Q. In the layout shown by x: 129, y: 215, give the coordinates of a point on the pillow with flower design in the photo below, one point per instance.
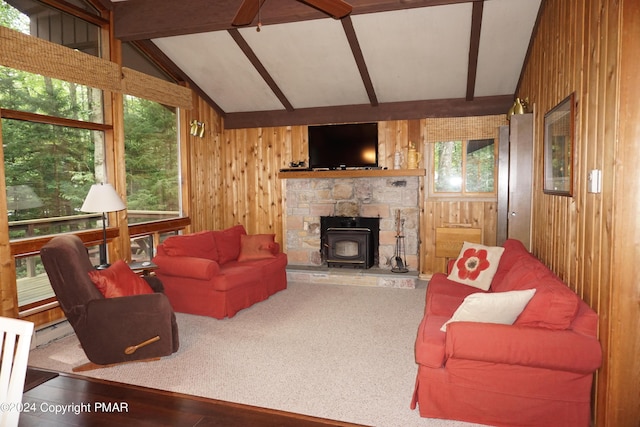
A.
x: 476, y: 265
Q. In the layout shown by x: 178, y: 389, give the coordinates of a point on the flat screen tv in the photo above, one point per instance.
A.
x: 343, y: 146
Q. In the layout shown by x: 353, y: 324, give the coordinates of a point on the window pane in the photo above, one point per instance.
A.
x: 448, y: 166
x: 49, y: 170
x: 33, y: 93
x: 480, y: 166
x: 142, y: 248
x: 45, y: 22
x: 151, y: 161
x: 33, y: 282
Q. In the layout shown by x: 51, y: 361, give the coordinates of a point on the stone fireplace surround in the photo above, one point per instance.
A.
x: 307, y: 199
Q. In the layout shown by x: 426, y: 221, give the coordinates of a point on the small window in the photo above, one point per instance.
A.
x: 464, y: 167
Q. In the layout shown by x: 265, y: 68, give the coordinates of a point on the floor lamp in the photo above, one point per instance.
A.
x: 102, y: 198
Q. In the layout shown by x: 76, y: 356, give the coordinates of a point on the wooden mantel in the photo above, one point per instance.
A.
x: 352, y: 173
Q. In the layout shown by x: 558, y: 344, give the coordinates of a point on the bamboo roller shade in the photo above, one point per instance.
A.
x: 34, y: 55
x: 459, y: 128
x: 145, y: 86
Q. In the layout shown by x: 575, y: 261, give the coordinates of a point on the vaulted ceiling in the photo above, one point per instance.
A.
x: 388, y: 59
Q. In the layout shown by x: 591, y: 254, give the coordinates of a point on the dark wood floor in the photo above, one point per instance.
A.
x: 92, y: 402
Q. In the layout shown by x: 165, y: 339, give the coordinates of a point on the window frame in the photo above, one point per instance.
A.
x: 462, y: 194
x: 129, y: 81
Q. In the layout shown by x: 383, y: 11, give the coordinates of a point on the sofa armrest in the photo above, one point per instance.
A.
x: 183, y: 266
x: 518, y: 345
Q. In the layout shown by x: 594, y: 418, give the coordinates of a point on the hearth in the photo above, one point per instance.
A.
x: 349, y: 241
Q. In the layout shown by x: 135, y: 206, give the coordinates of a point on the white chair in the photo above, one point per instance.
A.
x: 16, y: 340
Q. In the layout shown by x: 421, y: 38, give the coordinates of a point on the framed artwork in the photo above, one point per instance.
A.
x: 558, y: 148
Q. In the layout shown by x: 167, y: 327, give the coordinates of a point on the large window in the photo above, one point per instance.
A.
x: 464, y: 167
x: 151, y: 160
x: 53, y: 140
x: 55, y: 137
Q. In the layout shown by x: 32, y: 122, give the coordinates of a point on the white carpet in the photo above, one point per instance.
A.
x: 338, y: 352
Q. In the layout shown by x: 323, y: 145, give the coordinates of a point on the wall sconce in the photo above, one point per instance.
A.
x: 519, y: 106
x: 197, y: 128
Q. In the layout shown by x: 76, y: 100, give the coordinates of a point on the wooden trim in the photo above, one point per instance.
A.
x: 439, y: 108
x: 31, y: 246
x: 76, y: 11
x: 162, y: 226
x: 149, y: 19
x: 353, y: 173
x: 621, y: 356
x: 51, y: 120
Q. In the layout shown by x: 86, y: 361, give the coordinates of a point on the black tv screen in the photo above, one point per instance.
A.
x: 343, y: 146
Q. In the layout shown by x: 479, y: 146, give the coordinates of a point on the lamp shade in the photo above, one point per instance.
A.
x: 102, y: 198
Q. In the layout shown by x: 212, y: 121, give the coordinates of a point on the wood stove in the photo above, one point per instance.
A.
x: 349, y: 241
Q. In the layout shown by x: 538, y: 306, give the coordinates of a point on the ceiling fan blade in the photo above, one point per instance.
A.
x: 247, y: 12
x: 336, y: 8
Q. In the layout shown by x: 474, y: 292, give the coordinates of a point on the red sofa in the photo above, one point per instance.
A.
x: 218, y: 273
x: 535, y: 372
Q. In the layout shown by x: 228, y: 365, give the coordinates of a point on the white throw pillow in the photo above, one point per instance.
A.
x: 498, y: 307
x: 476, y: 265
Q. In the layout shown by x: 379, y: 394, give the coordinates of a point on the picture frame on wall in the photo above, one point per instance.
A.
x: 559, y: 147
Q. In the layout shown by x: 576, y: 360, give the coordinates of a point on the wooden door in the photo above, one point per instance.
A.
x: 520, y: 178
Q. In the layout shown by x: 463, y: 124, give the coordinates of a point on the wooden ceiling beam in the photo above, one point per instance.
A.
x: 148, y: 19
x: 474, y: 47
x: 481, y: 106
x: 253, y: 58
x: 354, y: 44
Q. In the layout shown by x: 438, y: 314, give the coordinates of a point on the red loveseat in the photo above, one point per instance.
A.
x: 535, y: 372
x: 218, y: 273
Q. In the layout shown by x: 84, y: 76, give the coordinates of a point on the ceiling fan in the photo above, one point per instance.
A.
x: 250, y: 8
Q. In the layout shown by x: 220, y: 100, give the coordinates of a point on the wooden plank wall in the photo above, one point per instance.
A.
x: 234, y: 175
x: 584, y: 238
x: 446, y: 211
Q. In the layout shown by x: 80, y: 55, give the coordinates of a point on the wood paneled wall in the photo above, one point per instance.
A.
x: 446, y: 211
x: 234, y: 175
x: 591, y: 240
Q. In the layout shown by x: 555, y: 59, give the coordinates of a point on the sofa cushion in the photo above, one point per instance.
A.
x: 237, y: 275
x: 524, y: 273
x: 119, y: 281
x: 228, y: 243
x: 197, y: 245
x: 257, y: 246
x: 439, y: 284
x: 476, y: 265
x: 554, y: 306
x: 498, y: 307
x: 514, y: 250
x: 184, y: 266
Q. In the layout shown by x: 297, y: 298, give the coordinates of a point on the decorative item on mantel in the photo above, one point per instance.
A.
x: 413, y: 156
x: 520, y: 106
x: 397, y: 160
